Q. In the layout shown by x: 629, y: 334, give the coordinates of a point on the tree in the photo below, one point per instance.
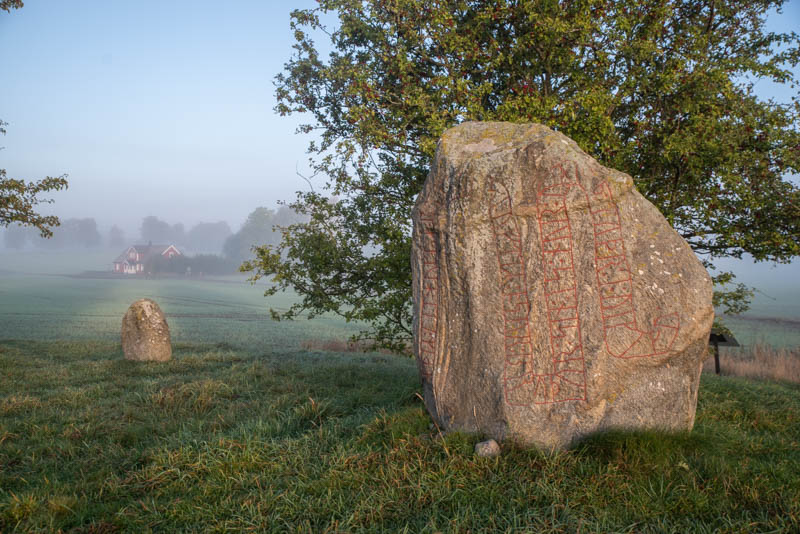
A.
x: 84, y: 232
x: 259, y: 228
x: 660, y: 89
x: 71, y: 233
x: 155, y: 230
x: 8, y: 5
x: 18, y: 198
x: 208, y: 237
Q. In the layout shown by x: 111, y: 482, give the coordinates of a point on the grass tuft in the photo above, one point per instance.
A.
x: 198, y: 396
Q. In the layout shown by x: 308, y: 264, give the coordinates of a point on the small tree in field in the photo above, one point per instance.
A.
x: 660, y: 89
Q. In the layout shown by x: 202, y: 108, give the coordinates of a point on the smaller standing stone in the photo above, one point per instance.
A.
x: 487, y: 449
x: 145, y: 333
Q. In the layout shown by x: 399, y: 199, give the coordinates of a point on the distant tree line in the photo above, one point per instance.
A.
x: 71, y: 233
x: 201, y: 238
x: 209, y: 247
x: 260, y: 228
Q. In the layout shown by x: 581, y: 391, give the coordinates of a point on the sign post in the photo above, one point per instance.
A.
x: 718, y: 338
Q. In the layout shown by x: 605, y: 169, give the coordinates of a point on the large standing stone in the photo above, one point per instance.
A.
x: 551, y: 300
x: 145, y: 333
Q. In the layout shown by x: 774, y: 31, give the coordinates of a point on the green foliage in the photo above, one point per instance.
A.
x: 662, y: 90
x: 289, y: 441
x: 734, y: 298
x: 8, y: 5
x: 18, y: 198
x: 18, y: 201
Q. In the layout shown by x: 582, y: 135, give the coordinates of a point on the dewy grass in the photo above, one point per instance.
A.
x: 225, y: 440
x: 59, y: 308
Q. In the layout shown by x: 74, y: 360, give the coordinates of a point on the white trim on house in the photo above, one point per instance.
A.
x: 132, y: 259
x: 171, y: 251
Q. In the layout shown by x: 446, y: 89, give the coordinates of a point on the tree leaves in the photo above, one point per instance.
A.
x: 658, y: 89
x: 18, y: 200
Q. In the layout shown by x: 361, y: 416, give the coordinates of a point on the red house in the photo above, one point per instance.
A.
x: 133, y: 259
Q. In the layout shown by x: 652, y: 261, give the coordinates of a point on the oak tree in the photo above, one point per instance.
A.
x: 663, y: 90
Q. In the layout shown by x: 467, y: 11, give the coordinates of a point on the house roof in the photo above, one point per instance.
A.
x: 146, y: 252
x: 122, y: 257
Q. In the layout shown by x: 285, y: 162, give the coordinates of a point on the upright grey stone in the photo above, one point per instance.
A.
x: 145, y: 333
x: 551, y: 299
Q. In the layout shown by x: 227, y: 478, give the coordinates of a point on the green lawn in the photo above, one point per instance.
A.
x: 230, y: 310
x: 232, y: 440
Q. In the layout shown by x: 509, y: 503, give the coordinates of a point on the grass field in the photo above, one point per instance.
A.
x: 225, y: 440
x: 252, y: 428
x: 36, y: 303
x: 773, y: 319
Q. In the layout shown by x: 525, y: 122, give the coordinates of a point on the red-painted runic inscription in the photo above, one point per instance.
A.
x: 524, y: 382
x: 623, y: 337
x: 561, y: 287
x: 429, y: 296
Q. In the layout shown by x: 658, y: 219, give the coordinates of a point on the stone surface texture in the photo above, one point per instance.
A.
x: 551, y: 299
x: 487, y: 449
x: 145, y: 333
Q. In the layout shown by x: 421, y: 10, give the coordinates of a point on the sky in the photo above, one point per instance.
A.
x: 166, y: 108
x: 152, y: 108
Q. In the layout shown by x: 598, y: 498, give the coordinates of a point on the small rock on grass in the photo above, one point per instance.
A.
x: 145, y: 333
x: 487, y: 449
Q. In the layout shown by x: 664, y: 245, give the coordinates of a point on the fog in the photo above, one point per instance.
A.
x: 165, y: 109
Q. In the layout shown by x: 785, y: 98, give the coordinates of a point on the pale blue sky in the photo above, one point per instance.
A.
x: 166, y: 107
x: 152, y: 107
